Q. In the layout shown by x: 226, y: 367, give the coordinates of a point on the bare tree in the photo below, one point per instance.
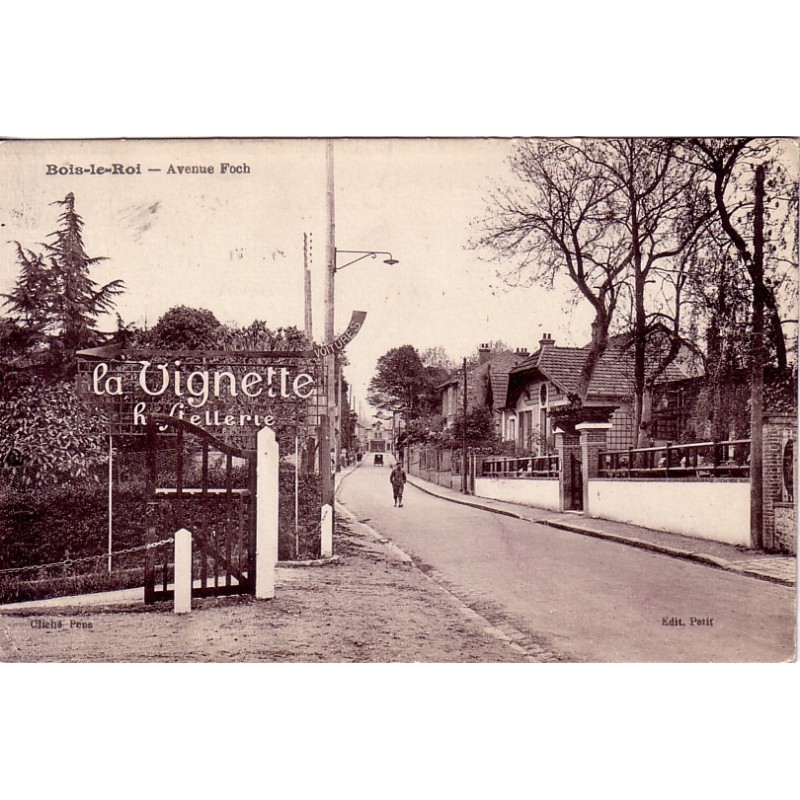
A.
x: 438, y: 358
x: 729, y: 165
x: 614, y: 216
x: 559, y: 219
x: 658, y: 201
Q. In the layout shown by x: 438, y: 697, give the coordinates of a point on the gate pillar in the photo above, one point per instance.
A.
x: 568, y: 444
x: 594, y: 437
x: 266, y: 556
x: 780, y: 482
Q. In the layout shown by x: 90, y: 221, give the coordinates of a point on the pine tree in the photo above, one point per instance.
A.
x: 29, y: 300
x: 54, y: 305
x: 76, y: 300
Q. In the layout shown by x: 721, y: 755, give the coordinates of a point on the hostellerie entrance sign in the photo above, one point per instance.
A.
x: 233, y: 393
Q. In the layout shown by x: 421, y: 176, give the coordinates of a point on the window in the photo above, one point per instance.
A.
x: 620, y: 435
x: 544, y: 434
x: 526, y: 433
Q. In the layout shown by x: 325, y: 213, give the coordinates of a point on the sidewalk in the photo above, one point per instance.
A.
x: 780, y: 569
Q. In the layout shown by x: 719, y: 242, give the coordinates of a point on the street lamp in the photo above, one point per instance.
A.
x: 331, y: 258
x: 334, y: 392
x: 362, y: 254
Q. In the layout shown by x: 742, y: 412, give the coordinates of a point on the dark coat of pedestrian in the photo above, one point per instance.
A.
x: 397, y: 478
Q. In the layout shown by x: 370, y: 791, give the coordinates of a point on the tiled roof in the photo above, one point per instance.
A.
x: 498, y: 367
x: 612, y: 376
x: 563, y: 366
x: 499, y: 388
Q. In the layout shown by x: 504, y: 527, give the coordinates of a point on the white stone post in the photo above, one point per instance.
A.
x: 326, y: 538
x: 183, y: 572
x: 594, y: 439
x: 266, y: 514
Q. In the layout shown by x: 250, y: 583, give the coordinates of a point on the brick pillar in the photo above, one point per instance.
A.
x: 568, y: 444
x: 594, y: 438
x: 778, y: 430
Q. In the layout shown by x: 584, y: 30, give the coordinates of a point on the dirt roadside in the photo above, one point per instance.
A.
x: 367, y: 605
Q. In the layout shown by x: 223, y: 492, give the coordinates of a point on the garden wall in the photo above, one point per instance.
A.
x: 440, y: 478
x: 538, y: 492
x: 714, y: 510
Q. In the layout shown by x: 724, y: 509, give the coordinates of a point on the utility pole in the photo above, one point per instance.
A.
x: 757, y: 358
x: 309, y: 323
x: 330, y: 360
x: 464, y: 434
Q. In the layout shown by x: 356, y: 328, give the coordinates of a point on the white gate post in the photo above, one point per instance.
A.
x: 326, y: 537
x: 266, y: 513
x: 183, y: 572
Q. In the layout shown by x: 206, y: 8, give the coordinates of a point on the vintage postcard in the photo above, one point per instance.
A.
x: 398, y: 400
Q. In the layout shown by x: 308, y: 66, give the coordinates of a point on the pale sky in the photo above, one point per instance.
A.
x: 234, y: 244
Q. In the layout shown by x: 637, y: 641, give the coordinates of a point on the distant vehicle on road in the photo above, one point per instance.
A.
x: 377, y: 461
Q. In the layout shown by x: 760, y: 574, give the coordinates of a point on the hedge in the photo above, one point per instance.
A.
x: 70, y: 521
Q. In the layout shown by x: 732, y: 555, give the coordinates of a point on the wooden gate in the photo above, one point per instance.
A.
x: 208, y: 487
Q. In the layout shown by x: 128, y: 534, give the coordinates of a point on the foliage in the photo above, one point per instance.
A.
x: 423, y: 430
x: 31, y: 298
x: 184, y: 328
x: 60, y: 521
x: 54, y: 296
x: 45, y: 436
x: 437, y: 357
x: 258, y: 336
x: 405, y: 383
x: 54, y: 306
x: 21, y: 351
x: 398, y: 381
x: 126, y: 334
x: 63, y: 521
x: 480, y: 431
x: 729, y: 165
x: 306, y: 546
x: 430, y: 397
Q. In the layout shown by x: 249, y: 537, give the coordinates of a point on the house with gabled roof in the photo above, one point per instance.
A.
x: 487, y: 384
x: 542, y: 383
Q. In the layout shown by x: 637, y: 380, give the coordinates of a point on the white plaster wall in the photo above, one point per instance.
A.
x: 718, y: 511
x: 538, y: 492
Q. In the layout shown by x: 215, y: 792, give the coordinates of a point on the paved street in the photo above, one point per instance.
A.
x: 582, y: 598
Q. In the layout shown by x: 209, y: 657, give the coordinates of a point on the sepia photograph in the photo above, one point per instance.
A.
x: 397, y: 400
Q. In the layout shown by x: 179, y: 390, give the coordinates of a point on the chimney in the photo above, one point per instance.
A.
x: 483, y: 353
x: 546, y: 341
x: 522, y: 352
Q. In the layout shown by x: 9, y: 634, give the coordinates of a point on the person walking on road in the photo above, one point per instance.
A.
x: 398, y: 480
